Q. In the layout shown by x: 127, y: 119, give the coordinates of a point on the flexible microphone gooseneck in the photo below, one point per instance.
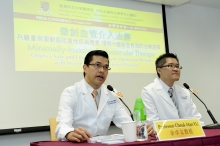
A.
x: 110, y: 88
x: 215, y: 125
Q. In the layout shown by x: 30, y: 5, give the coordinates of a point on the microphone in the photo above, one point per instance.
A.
x: 110, y: 88
x: 211, y: 126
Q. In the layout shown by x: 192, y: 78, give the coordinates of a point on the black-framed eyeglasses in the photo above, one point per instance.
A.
x: 172, y: 66
x: 98, y: 66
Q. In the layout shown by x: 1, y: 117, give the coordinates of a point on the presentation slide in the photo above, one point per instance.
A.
x: 44, y: 42
x: 55, y: 36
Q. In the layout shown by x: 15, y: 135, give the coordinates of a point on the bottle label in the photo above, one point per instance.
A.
x: 144, y: 111
x: 137, y: 115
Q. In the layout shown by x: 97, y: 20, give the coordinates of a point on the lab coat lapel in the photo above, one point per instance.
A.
x: 87, y: 96
x: 103, y: 98
x: 163, y: 93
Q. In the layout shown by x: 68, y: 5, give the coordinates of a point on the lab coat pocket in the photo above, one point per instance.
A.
x: 108, y: 111
x: 185, y: 102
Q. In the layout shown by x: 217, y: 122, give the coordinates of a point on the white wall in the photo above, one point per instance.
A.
x: 194, y: 35
x: 25, y: 139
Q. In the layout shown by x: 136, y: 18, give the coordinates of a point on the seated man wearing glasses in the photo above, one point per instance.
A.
x: 164, y: 100
x: 87, y: 108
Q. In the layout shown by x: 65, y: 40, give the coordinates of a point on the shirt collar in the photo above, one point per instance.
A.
x: 90, y: 89
x: 165, y: 85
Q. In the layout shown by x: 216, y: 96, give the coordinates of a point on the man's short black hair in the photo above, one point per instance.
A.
x: 90, y: 55
x: 161, y: 60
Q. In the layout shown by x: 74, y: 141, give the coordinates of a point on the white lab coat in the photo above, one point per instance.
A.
x: 77, y: 108
x: 159, y: 105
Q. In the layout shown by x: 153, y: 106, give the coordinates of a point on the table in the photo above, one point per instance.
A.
x: 212, y: 138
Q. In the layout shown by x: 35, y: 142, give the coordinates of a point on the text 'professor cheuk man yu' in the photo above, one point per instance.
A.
x: 163, y: 99
x: 87, y: 108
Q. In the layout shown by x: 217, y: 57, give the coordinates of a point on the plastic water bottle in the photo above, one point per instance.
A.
x: 140, y: 117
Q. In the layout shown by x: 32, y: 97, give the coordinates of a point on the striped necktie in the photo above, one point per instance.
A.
x: 170, y: 91
x: 94, y: 94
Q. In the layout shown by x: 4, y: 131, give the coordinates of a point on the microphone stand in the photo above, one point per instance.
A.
x: 128, y: 109
x: 216, y: 125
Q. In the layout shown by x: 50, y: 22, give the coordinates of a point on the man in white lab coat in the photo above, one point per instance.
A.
x: 84, y: 113
x: 164, y: 100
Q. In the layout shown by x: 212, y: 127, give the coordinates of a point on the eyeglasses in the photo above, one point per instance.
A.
x: 172, y: 66
x: 98, y: 66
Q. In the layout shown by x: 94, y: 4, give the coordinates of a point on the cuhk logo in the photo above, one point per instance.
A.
x: 45, y: 8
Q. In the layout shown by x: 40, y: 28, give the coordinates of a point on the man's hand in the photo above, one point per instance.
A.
x: 150, y: 130
x: 79, y: 135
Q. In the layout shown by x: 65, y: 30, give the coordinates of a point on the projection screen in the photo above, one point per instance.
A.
x: 43, y: 45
